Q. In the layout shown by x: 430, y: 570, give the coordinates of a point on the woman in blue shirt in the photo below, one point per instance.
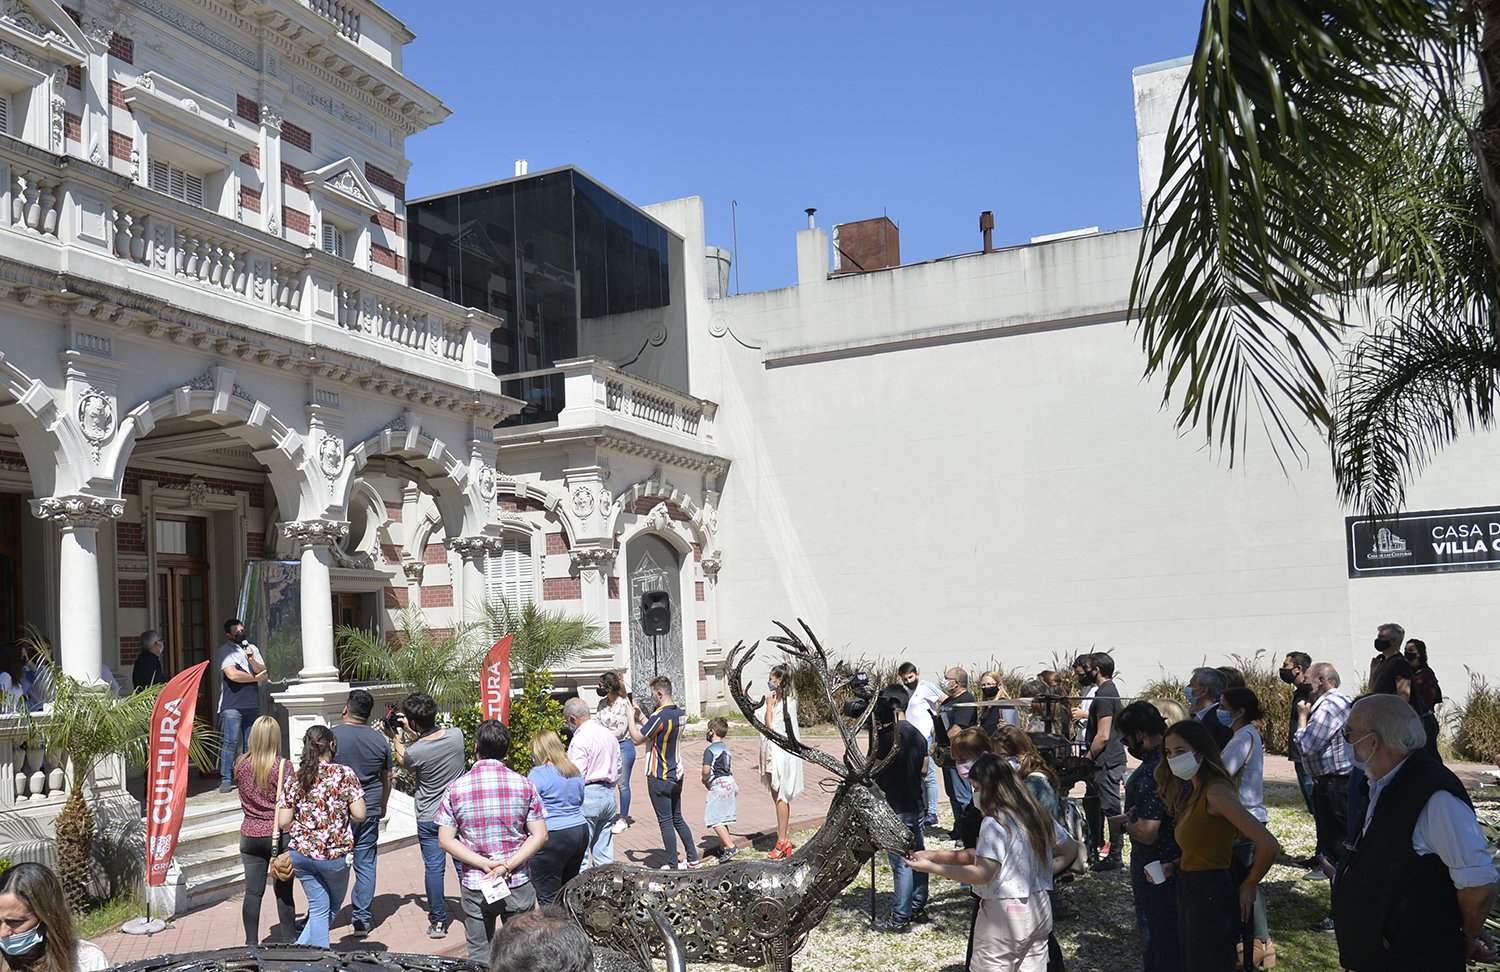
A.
x: 560, y: 785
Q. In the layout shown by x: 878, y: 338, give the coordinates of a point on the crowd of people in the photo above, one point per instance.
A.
x: 1411, y: 871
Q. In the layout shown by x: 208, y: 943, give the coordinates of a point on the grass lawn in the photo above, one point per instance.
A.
x: 1103, y: 939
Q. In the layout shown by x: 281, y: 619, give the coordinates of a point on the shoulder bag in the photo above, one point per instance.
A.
x: 281, y: 864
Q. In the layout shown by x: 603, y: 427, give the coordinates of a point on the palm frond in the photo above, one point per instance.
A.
x: 1253, y: 247
x: 1406, y: 390
x: 544, y: 640
x: 443, y: 664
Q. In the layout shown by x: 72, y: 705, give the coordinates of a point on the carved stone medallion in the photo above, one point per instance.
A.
x: 331, y: 456
x: 96, y: 416
x: 583, y: 502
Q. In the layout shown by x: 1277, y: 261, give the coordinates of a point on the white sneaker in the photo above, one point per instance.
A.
x: 620, y: 826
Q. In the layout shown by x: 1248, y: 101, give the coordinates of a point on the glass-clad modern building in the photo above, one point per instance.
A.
x: 572, y: 268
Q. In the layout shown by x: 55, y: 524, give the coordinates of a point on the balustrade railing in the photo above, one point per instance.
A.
x: 32, y: 776
x: 344, y: 16
x: 33, y: 202
x: 595, y: 384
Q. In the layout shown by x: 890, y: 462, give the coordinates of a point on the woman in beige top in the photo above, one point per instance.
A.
x: 615, y: 714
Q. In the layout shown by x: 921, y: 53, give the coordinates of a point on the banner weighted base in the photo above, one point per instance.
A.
x: 143, y: 926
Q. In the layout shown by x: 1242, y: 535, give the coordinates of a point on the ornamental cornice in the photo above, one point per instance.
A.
x: 711, y: 565
x: 620, y: 442
x: 309, y: 533
x: 77, y: 512
x: 591, y: 558
x: 473, y: 547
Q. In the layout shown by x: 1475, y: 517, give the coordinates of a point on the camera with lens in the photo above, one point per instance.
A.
x: 859, y: 682
x: 391, y: 721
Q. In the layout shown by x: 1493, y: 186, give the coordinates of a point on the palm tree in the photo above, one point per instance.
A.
x: 86, y: 724
x: 544, y: 640
x: 1326, y: 163
x: 444, y: 663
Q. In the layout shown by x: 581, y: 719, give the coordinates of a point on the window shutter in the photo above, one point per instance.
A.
x: 193, y: 188
x: 333, y: 240
x: 163, y: 176
x: 5, y: 113
x: 157, y: 174
x: 508, y: 574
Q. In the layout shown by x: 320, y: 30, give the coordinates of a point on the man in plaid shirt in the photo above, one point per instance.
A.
x: 491, y: 821
x: 1325, y: 757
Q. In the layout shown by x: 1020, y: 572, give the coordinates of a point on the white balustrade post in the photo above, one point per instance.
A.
x: 80, y: 627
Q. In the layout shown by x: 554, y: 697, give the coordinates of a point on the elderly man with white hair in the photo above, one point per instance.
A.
x: 1416, y: 882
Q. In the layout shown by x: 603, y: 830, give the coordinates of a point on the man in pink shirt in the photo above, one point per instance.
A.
x: 597, y: 753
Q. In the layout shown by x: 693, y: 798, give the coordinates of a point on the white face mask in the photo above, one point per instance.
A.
x: 1360, y: 764
x: 1184, y: 766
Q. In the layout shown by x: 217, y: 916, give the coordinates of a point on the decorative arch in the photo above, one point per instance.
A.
x: 529, y: 492
x: 662, y: 491
x: 445, y: 475
x: 35, y: 418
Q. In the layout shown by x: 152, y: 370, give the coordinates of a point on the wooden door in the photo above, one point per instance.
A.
x: 182, y: 601
x: 348, y: 611
x: 12, y: 623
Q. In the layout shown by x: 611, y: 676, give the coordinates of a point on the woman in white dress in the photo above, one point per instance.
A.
x: 780, y: 770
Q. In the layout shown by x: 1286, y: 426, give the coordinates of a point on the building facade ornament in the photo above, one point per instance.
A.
x: 486, y: 480
x: 414, y: 570
x: 77, y: 512
x: 358, y: 560
x: 660, y: 518
x: 470, y: 548
x: 592, y: 558
x: 331, y: 456
x: 583, y: 502
x: 711, y: 565
x: 314, y: 532
x: 96, y: 416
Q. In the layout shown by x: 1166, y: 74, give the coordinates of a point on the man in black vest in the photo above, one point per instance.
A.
x: 1415, y: 886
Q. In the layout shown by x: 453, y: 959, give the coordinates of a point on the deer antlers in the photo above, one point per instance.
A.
x: 855, y: 764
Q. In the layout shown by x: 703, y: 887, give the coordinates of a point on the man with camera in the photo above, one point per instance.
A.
x: 367, y: 753
x: 903, y: 784
x: 239, y: 697
x: 435, y: 758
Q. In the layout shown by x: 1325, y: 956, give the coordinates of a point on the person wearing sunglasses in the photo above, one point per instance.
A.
x: 1416, y: 882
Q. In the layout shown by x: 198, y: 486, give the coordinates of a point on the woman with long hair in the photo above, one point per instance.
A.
x: 616, y: 714
x: 260, y: 775
x: 1035, y: 774
x: 36, y: 925
x: 1011, y: 872
x: 780, y: 771
x: 989, y: 691
x: 1244, y: 757
x: 1202, y: 797
x: 559, y: 783
x: 318, y: 803
x: 1426, y: 694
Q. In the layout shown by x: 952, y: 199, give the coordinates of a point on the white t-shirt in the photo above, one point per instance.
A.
x: 924, y: 695
x: 1020, y: 872
x: 1245, y: 749
x: 88, y: 957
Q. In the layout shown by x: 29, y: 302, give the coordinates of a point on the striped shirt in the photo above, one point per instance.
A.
x: 1324, y: 752
x: 664, y: 731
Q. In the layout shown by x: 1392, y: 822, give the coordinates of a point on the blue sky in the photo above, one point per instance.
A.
x: 928, y: 115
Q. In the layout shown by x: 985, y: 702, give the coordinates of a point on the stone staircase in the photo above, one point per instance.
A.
x: 207, y: 869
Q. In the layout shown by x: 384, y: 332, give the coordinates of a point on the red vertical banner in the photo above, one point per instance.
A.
x: 495, y: 690
x: 167, y: 769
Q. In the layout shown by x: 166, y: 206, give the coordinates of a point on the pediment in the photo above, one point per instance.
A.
x: 38, y: 31
x: 344, y: 182
x: 473, y: 239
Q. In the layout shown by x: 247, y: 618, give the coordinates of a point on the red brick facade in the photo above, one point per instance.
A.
x: 391, y: 552
x: 437, y: 596
x: 132, y: 593
x: 381, y: 179
x: 252, y: 158
x: 250, y: 199
x: 128, y: 537
x: 519, y: 504
x: 296, y: 135
x: 387, y: 257
x: 562, y: 589
x: 291, y: 175
x: 122, y: 47
x: 130, y: 650
x: 698, y: 590
x: 296, y: 220
x: 389, y: 220
x: 120, y: 145
x: 557, y: 543
x: 614, y: 588
x: 72, y: 127
x: 395, y: 597
x: 702, y: 630
x: 393, y: 511
x: 615, y: 636
x: 255, y: 545
x: 131, y: 485
x: 434, y: 553
x: 247, y: 108
x: 646, y: 504
x: 75, y: 77
x: 697, y: 554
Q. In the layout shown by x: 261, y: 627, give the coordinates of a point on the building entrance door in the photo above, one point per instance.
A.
x: 348, y: 611
x: 11, y: 621
x: 182, y: 607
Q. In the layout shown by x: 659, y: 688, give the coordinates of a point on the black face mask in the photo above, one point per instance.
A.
x: 1289, y: 675
x: 603, y: 693
x: 1381, y: 644
x: 991, y: 691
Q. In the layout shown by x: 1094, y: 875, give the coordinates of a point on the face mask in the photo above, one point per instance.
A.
x: 1192, y: 699
x: 1224, y: 717
x: 1354, y: 753
x: 991, y: 691
x: 1183, y: 766
x: 770, y: 685
x: 1288, y: 675
x: 963, y: 768
x: 1015, y: 764
x: 1381, y: 644
x: 602, y: 692
x: 22, y: 942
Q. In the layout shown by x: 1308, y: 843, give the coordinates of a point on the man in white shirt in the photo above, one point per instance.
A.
x: 1416, y: 883
x: 920, y: 710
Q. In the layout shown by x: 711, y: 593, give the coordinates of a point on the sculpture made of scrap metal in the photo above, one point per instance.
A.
x: 754, y: 913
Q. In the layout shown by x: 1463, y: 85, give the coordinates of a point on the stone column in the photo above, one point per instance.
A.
x: 79, y: 628
x: 471, y: 586
x: 313, y: 538
x: 594, y: 565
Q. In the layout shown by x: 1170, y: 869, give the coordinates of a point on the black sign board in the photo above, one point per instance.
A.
x: 1424, y: 542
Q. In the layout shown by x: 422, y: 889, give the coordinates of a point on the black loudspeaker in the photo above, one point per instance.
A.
x: 656, y: 612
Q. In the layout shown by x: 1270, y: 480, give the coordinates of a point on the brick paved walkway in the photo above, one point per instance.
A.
x: 400, y: 914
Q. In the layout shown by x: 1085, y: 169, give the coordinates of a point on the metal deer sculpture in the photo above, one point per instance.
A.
x: 753, y: 913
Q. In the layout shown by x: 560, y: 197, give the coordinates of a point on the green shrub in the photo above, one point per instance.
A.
x: 1165, y: 686
x: 466, y: 718
x: 1275, y: 697
x: 533, y: 711
x: 1478, y: 732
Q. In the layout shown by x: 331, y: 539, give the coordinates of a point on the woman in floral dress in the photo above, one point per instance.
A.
x: 317, y: 806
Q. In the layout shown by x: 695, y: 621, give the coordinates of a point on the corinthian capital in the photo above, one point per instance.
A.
x: 77, y: 512
x: 596, y: 558
x: 711, y: 565
x: 471, y: 548
x: 307, y: 533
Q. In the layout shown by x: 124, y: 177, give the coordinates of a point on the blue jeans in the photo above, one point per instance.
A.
x: 433, y: 862
x: 599, y: 814
x: 960, y: 795
x: 324, y: 882
x: 627, y: 763
x: 366, y: 834
x: 1138, y: 886
x: 911, y: 886
x: 235, y: 725
x: 1159, y: 902
x: 1305, y: 784
x: 932, y: 784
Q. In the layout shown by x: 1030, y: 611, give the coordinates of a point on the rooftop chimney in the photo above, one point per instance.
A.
x: 987, y: 226
x: 810, y: 211
x: 520, y: 167
x: 870, y: 244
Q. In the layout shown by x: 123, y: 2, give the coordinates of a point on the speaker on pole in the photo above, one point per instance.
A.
x: 656, y: 612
